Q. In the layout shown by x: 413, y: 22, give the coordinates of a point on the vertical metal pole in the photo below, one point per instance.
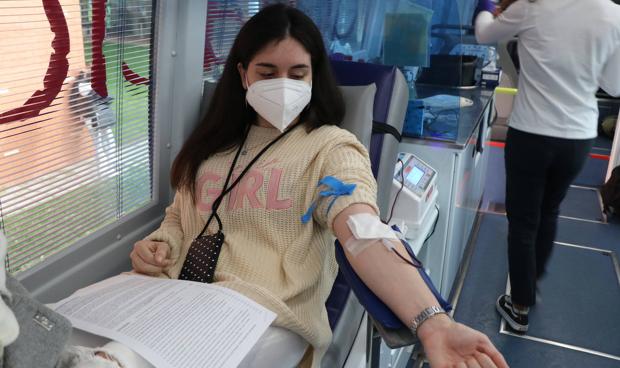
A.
x: 182, y: 60
x: 373, y: 344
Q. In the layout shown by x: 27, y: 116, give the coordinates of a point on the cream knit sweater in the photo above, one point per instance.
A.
x: 268, y: 254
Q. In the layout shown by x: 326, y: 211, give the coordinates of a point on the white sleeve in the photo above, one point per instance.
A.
x: 506, y: 25
x: 610, y: 78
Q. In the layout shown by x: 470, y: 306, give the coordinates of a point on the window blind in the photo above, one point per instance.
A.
x: 224, y: 19
x: 75, y: 123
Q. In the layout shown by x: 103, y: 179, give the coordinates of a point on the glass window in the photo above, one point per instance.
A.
x: 224, y: 20
x: 75, y: 123
x: 349, y: 27
x: 353, y: 29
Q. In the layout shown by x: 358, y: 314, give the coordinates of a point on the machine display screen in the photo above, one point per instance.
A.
x: 414, y: 176
x: 413, y: 173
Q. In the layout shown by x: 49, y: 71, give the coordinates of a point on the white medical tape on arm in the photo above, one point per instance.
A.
x: 367, y: 229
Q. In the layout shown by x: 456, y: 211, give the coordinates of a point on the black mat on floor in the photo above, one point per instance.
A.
x: 581, y: 203
x: 580, y: 299
x: 486, y: 280
x: 593, y: 173
x: 604, y: 236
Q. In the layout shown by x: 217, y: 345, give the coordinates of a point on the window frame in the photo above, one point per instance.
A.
x: 176, y: 94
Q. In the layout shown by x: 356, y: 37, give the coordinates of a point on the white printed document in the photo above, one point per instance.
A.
x: 171, y: 323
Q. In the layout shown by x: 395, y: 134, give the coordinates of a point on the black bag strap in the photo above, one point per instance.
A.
x: 383, y: 128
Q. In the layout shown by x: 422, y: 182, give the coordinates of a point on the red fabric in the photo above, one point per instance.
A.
x: 98, y: 76
x: 133, y: 77
x: 599, y: 156
x: 56, y: 70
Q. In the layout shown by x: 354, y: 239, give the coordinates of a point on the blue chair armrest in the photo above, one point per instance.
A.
x: 380, y: 313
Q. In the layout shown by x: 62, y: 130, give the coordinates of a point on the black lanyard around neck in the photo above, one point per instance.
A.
x: 226, y: 190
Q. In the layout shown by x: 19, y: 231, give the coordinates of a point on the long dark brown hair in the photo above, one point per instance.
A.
x: 228, y: 116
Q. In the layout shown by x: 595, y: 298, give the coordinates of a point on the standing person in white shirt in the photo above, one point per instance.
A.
x: 567, y: 50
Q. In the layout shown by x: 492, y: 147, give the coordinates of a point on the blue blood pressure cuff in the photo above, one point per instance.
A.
x: 335, y: 188
x: 373, y: 305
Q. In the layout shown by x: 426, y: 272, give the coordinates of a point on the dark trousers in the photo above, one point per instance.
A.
x: 539, y: 171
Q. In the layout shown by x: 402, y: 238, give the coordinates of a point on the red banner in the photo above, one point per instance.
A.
x: 56, y: 71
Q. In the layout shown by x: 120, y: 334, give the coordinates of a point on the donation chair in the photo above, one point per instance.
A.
x: 376, y: 98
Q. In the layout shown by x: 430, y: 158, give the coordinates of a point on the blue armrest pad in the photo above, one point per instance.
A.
x: 373, y: 305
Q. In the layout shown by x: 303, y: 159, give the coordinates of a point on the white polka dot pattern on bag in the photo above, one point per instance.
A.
x: 201, y: 259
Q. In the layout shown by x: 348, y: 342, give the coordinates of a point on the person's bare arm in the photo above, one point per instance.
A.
x: 400, y: 286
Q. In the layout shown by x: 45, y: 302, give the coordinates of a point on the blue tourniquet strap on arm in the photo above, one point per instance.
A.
x: 373, y: 305
x: 335, y: 189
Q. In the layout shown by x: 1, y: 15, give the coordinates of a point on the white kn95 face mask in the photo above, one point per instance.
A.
x: 280, y: 100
